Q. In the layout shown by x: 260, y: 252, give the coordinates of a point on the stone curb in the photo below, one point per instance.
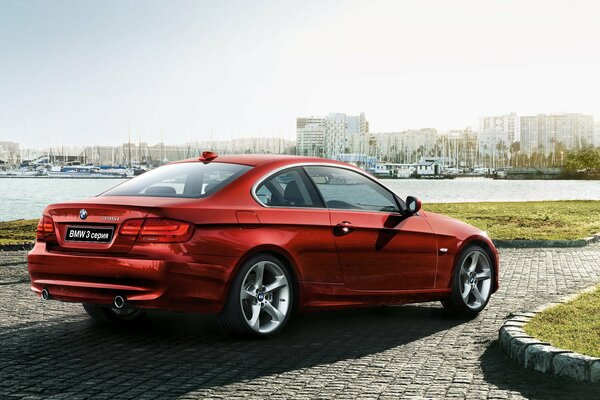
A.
x: 16, y: 247
x: 525, y: 243
x: 532, y: 353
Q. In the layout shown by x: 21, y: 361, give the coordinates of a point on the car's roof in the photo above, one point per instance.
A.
x: 257, y: 159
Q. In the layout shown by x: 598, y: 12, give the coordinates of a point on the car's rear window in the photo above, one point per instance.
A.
x: 190, y: 179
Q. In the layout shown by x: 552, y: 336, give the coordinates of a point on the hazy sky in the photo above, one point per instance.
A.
x: 80, y: 72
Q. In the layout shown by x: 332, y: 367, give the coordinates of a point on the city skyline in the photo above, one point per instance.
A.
x: 88, y: 73
x: 499, y: 139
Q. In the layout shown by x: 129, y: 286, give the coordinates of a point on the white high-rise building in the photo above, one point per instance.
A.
x: 310, y: 136
x: 332, y: 135
x: 497, y: 133
x: 543, y: 133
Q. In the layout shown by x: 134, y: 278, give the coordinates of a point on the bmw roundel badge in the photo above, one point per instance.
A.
x: 83, y: 213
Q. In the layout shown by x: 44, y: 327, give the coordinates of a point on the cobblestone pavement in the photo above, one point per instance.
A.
x: 54, y: 350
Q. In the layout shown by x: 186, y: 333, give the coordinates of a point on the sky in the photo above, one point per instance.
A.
x: 94, y: 72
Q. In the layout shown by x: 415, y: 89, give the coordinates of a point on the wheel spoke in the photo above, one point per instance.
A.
x: 273, y: 312
x: 259, y: 270
x: 280, y: 281
x: 466, y: 291
x: 474, y: 259
x: 477, y: 294
x: 254, y: 322
x: 247, y: 294
x: 464, y: 272
x: 485, y: 274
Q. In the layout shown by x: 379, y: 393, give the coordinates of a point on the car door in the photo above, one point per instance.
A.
x: 377, y: 246
x: 294, y: 217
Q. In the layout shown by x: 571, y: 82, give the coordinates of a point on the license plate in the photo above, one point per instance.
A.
x: 88, y: 234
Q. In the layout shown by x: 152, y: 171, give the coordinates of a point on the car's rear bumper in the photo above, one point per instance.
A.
x: 174, y: 283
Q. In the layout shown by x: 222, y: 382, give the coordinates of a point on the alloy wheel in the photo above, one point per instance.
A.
x: 265, y: 297
x: 475, y: 279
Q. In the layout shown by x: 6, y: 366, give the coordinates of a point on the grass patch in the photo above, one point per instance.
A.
x: 541, y: 220
x: 18, y: 231
x: 571, y: 326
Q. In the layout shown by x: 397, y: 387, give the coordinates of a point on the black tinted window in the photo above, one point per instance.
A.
x: 349, y: 190
x: 286, y: 189
x: 192, y: 179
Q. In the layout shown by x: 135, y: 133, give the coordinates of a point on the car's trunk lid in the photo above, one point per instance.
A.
x: 103, y: 215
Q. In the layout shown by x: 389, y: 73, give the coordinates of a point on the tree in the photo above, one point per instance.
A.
x: 584, y: 159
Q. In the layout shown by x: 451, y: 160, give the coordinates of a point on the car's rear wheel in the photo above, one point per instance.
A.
x: 260, y: 298
x: 113, y: 315
x: 471, y: 283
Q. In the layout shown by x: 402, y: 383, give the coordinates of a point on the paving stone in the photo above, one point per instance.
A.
x: 53, y: 350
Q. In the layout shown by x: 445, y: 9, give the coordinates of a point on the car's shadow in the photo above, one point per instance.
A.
x: 174, y: 354
x: 505, y: 374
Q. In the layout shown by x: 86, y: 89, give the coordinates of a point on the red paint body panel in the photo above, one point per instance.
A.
x: 387, y: 259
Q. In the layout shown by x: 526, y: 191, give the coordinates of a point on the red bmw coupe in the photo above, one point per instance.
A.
x: 253, y: 238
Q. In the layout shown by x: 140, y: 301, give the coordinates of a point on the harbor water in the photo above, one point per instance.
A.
x: 27, y: 197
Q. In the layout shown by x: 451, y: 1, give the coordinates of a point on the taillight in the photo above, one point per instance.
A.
x: 157, y: 230
x: 45, y: 227
x: 131, y: 227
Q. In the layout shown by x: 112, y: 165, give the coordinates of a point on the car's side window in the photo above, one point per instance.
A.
x: 286, y: 189
x: 345, y: 189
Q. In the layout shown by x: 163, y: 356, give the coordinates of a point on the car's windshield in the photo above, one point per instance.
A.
x: 190, y: 179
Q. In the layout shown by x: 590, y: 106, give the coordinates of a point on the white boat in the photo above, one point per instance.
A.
x: 76, y: 170
x: 21, y: 173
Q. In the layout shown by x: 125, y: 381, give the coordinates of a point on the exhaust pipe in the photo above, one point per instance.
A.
x: 45, y: 294
x: 119, y: 302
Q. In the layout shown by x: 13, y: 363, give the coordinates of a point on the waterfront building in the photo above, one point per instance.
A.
x: 310, y: 136
x: 331, y: 135
x: 496, y: 134
x: 551, y: 133
x: 429, y: 168
x: 9, y: 153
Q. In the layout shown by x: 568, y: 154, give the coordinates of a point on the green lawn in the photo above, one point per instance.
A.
x: 572, y: 326
x: 544, y: 220
x: 526, y: 220
x: 17, y: 232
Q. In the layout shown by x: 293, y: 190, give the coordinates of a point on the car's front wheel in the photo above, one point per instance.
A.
x: 113, y: 315
x: 471, y: 283
x: 260, y: 298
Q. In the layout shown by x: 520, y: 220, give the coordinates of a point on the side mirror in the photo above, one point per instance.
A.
x: 413, y: 205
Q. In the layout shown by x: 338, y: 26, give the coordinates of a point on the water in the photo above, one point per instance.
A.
x: 27, y: 197
x: 481, y: 189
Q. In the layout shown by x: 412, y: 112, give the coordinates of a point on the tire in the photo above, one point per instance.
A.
x: 472, y: 283
x: 259, y: 310
x: 107, y: 315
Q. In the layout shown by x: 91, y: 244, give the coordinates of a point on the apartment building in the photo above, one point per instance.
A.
x: 547, y: 133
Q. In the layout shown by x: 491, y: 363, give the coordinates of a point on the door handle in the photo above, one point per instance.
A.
x: 343, y: 228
